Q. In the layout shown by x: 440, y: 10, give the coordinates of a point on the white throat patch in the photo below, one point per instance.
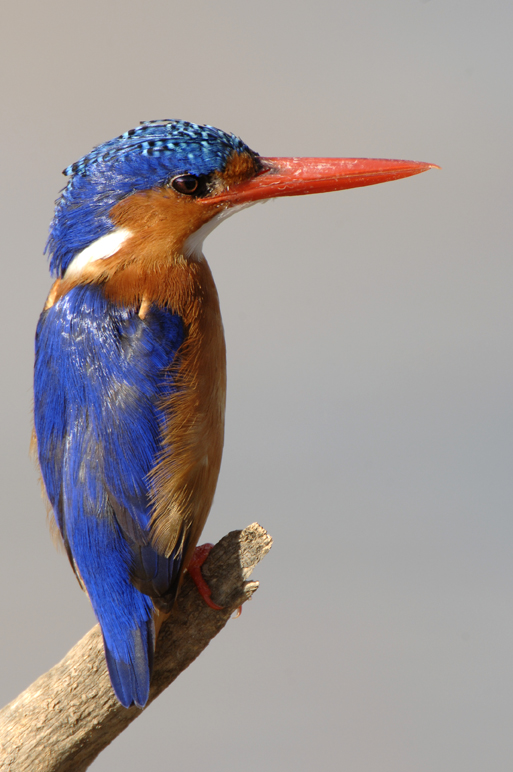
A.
x: 193, y: 247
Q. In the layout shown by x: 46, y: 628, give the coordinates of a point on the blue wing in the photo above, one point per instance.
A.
x: 101, y: 373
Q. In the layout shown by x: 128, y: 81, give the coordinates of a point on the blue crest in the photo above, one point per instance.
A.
x: 139, y: 159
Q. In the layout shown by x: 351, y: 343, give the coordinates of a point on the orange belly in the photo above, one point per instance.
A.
x: 185, y: 478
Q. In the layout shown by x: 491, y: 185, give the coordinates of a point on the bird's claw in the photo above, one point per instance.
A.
x: 199, y: 556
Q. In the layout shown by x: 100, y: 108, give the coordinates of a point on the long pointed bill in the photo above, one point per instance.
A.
x: 300, y: 176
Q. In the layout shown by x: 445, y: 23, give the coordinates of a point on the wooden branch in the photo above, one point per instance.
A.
x: 70, y: 714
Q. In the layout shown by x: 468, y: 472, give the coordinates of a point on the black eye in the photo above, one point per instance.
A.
x: 186, y: 183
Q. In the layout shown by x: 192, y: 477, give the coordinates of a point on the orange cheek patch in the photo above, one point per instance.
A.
x: 160, y: 220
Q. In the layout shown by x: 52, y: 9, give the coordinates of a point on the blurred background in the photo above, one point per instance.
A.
x: 370, y: 401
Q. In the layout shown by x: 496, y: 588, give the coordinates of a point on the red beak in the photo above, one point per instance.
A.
x: 299, y: 176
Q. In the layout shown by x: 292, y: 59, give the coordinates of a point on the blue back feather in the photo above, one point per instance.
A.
x: 100, y: 375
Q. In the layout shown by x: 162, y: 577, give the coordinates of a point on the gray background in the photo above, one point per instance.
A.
x: 369, y: 422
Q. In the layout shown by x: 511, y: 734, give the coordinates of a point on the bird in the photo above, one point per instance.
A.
x: 130, y: 362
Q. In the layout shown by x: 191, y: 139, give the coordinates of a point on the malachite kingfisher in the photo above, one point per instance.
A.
x: 130, y: 376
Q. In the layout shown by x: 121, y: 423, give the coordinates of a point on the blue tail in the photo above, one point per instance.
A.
x: 125, y: 614
x: 131, y: 680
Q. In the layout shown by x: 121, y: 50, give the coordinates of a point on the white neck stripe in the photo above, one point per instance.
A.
x: 105, y: 246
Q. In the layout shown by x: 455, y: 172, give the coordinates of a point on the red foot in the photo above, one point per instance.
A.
x: 194, y: 568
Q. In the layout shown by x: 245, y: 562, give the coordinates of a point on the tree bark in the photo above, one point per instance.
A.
x: 70, y: 714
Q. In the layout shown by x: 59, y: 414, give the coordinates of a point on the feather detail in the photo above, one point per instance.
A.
x: 55, y: 533
x: 54, y: 294
x: 144, y: 308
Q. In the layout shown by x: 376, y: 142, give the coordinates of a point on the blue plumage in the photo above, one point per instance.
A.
x: 101, y: 373
x: 139, y: 159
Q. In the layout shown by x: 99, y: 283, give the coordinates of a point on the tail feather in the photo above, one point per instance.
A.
x: 131, y: 680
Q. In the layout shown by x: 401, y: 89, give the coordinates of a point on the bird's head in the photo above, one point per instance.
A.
x: 174, y: 181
